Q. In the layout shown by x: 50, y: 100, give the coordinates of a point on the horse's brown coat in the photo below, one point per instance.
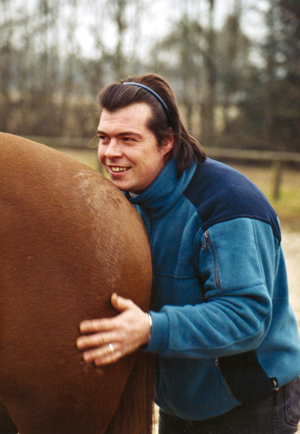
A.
x: 68, y: 239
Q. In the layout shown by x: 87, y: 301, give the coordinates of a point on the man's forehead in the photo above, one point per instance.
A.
x: 134, y: 117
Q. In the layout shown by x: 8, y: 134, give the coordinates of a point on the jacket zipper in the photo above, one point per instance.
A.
x: 204, y: 245
x: 216, y: 363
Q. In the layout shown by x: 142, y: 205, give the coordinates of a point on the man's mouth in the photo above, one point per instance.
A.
x: 117, y: 169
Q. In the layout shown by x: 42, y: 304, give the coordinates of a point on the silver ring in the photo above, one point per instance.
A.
x: 111, y: 347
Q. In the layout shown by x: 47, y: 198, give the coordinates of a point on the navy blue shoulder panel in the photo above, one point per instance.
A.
x: 221, y: 193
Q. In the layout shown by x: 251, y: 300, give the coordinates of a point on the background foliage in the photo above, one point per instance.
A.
x: 237, y: 79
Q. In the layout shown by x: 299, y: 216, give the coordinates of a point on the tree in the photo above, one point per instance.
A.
x: 179, y: 56
x: 187, y: 56
x: 282, y: 51
x: 209, y: 101
x: 236, y: 80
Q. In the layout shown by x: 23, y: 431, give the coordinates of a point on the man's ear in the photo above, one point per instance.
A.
x: 167, y: 144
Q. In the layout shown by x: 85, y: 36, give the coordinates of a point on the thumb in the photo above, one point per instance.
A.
x: 120, y: 303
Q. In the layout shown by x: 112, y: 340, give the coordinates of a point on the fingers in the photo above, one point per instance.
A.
x: 107, y: 340
x: 98, y: 325
x: 120, y: 303
x: 100, y: 348
x: 95, y: 340
x: 104, y: 355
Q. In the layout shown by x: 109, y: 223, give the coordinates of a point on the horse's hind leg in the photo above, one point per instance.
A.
x: 6, y: 424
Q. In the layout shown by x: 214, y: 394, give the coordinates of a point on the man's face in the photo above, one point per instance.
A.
x: 128, y: 149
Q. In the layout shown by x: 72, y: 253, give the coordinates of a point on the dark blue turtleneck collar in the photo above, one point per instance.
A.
x: 165, y: 190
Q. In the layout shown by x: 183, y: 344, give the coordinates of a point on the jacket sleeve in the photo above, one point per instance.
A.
x: 237, y: 264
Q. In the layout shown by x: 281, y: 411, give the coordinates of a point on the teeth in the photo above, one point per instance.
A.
x: 119, y: 169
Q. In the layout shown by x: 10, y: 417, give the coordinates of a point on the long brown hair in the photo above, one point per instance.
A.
x: 165, y: 119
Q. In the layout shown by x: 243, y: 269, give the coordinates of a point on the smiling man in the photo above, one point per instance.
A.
x: 128, y: 149
x: 222, y: 329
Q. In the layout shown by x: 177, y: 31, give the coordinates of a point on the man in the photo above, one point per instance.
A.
x: 226, y: 339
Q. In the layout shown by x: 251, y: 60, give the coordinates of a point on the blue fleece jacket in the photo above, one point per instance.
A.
x: 223, y: 329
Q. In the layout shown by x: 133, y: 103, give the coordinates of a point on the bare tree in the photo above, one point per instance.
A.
x: 208, y: 103
x: 270, y: 50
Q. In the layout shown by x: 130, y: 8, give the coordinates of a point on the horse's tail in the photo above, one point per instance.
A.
x: 134, y: 414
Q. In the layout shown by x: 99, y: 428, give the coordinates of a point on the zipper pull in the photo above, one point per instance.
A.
x: 205, y: 240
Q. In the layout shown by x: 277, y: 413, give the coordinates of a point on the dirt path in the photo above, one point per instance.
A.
x: 291, y: 248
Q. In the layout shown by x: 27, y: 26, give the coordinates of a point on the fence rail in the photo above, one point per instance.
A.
x: 276, y: 158
x: 65, y: 142
x: 244, y: 154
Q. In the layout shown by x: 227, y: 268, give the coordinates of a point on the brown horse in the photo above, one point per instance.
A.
x: 68, y: 240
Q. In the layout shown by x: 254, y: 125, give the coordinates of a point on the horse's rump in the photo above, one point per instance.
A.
x: 68, y: 239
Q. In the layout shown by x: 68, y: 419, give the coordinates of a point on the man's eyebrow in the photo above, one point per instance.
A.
x: 123, y: 133
x: 129, y: 133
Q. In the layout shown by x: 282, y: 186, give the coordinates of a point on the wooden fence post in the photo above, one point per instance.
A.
x: 277, y: 164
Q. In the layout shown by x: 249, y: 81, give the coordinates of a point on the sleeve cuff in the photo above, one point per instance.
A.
x: 159, y: 333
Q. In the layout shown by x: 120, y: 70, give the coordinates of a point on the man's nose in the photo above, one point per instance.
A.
x: 113, y: 149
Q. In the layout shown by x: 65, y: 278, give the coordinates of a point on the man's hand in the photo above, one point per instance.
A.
x: 109, y: 339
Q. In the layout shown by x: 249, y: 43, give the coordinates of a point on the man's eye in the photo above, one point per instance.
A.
x: 103, y: 138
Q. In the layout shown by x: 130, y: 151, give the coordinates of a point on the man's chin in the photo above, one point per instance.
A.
x: 120, y: 185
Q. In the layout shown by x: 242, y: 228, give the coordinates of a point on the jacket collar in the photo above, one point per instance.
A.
x: 165, y: 190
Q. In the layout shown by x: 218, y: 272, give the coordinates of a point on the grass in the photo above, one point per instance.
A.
x: 88, y: 157
x: 287, y: 206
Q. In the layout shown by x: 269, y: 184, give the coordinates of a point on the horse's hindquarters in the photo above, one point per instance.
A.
x: 68, y: 240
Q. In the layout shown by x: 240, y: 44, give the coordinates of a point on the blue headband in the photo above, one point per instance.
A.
x: 153, y: 93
